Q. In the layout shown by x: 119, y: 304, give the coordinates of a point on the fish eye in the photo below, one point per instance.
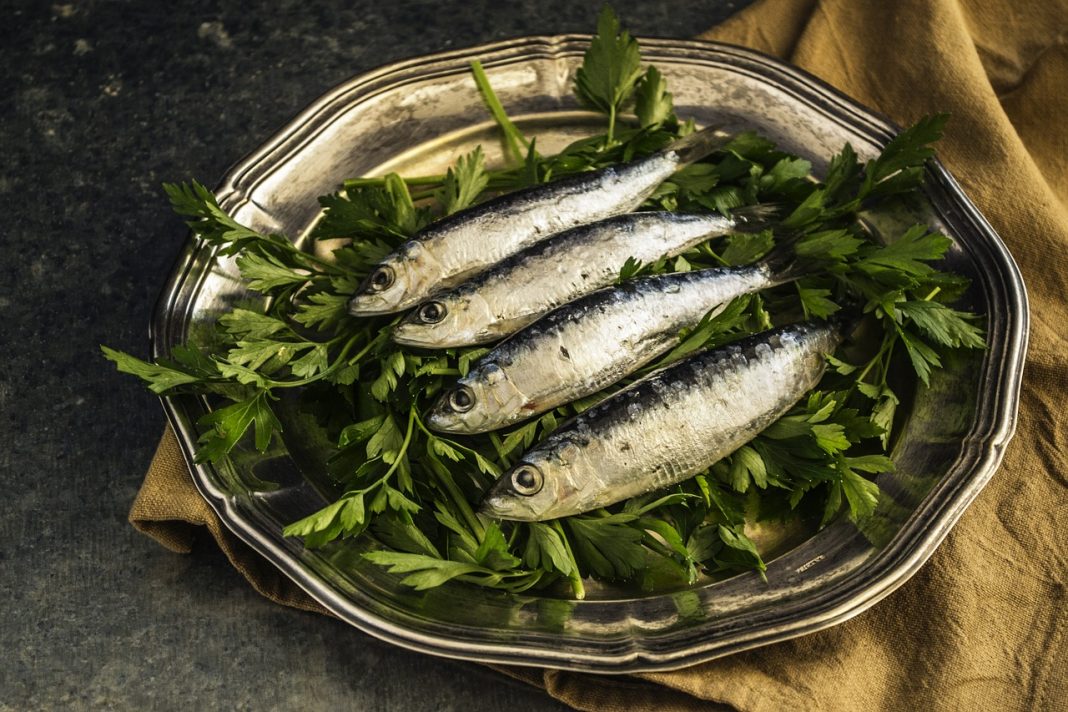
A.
x: 461, y: 399
x: 527, y: 480
x: 382, y: 278
x: 432, y: 312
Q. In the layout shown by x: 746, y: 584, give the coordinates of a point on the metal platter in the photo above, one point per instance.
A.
x: 415, y: 117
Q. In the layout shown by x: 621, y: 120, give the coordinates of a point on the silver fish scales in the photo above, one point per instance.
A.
x: 451, y: 250
x: 667, y: 427
x: 515, y: 292
x: 591, y: 343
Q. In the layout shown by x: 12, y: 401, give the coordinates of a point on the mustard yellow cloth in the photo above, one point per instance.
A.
x: 982, y: 625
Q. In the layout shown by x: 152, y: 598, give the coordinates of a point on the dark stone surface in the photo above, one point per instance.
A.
x: 99, y: 103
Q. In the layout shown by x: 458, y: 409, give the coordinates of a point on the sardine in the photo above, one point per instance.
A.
x: 667, y: 427
x: 515, y: 292
x: 593, y: 342
x: 451, y: 250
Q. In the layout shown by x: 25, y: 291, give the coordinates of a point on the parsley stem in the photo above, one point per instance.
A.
x: 465, y: 509
x: 889, y: 337
x: 885, y: 371
x: 514, y: 140
x: 403, y: 451
x: 881, y: 357
x: 453, y: 443
x: 329, y: 369
x: 870, y: 364
x: 450, y: 484
x: 497, y: 445
x: 308, y: 257
x: 709, y: 252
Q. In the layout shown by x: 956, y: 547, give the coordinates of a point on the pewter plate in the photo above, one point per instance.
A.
x: 415, y: 117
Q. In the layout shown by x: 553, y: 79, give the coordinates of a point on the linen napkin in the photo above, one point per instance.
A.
x: 981, y: 626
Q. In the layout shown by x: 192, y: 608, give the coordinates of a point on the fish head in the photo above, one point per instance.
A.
x: 521, y: 494
x: 541, y: 486
x: 456, y: 318
x: 483, y: 400
x: 397, y: 282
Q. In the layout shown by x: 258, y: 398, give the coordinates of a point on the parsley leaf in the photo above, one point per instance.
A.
x: 265, y: 272
x: 743, y: 248
x: 861, y: 494
x: 608, y: 547
x: 423, y: 571
x: 385, y: 211
x: 922, y: 356
x: 345, y: 517
x: 630, y: 269
x: 610, y: 69
x: 227, y: 425
x: 652, y: 101
x: 322, y: 310
x: 213, y: 224
x: 944, y: 325
x: 740, y: 547
x: 159, y: 378
x: 906, y: 152
x: 828, y: 245
x: 816, y: 302
x: 908, y: 255
x: 464, y: 182
x: 545, y: 549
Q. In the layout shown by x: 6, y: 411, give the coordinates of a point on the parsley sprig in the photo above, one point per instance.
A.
x: 414, y: 491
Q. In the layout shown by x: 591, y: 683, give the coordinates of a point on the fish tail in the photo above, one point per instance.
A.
x: 756, y: 218
x: 699, y: 144
x: 783, y: 262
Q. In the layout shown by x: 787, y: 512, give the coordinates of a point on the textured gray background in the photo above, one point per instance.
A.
x: 99, y: 103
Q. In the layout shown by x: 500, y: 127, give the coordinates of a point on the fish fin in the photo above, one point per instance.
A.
x: 699, y: 144
x: 755, y: 218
